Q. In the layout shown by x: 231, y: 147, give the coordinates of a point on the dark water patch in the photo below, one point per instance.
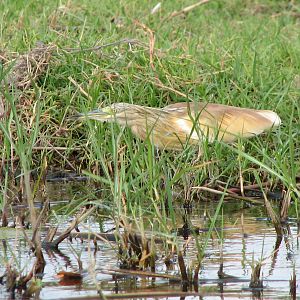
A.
x: 65, y: 177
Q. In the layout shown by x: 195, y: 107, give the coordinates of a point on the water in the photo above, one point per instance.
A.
x: 247, y: 237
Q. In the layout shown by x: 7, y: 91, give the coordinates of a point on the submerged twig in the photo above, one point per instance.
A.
x: 285, y: 205
x: 229, y: 195
x: 106, y: 237
x: 293, y: 285
x: 28, y: 240
x: 39, y: 219
x: 274, y: 217
x: 140, y: 273
x: 249, y: 187
x: 182, y: 268
x: 255, y: 281
x: 54, y: 244
x: 50, y: 235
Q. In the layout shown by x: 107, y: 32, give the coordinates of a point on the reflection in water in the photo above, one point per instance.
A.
x: 239, y: 239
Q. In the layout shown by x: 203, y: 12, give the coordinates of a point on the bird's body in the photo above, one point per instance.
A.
x: 177, y: 124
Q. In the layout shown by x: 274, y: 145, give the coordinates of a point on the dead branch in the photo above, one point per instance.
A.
x: 39, y: 219
x: 159, y: 84
x: 229, y: 195
x: 140, y: 273
x: 49, y: 244
x: 97, y: 48
x: 187, y: 9
x: 182, y: 268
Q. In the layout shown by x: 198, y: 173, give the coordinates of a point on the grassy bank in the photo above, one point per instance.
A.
x: 243, y: 54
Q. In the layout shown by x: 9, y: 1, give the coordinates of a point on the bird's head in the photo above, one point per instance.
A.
x: 116, y: 112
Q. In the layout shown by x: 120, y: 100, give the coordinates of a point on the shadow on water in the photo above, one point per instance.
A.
x: 85, y: 264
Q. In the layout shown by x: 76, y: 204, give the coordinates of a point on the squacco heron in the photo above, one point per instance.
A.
x: 176, y: 125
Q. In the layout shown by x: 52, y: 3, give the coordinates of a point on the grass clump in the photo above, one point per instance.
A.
x: 238, y: 54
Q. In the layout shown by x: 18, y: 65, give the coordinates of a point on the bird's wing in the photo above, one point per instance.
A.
x: 222, y: 122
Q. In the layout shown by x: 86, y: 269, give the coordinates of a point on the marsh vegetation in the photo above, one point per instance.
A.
x: 110, y: 214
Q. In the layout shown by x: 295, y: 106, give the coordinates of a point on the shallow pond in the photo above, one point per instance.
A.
x: 247, y: 237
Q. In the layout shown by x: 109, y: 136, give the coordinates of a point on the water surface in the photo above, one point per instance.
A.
x: 247, y: 237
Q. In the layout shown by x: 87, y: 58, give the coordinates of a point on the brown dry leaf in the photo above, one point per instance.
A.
x: 69, y: 278
x: 151, y: 35
x: 68, y: 275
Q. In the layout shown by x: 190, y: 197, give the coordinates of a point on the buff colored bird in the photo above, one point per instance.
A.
x: 176, y: 125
